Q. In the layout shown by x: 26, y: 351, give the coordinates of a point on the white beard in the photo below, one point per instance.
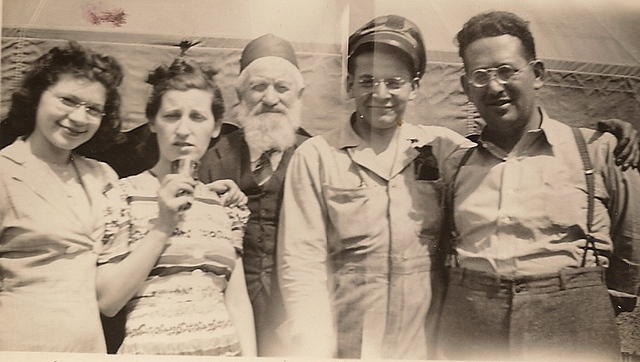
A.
x: 268, y: 130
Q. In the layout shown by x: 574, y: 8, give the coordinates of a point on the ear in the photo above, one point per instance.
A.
x: 464, y: 82
x: 415, y: 84
x: 238, y: 93
x: 216, y: 129
x: 300, y: 92
x: 152, y: 127
x: 538, y: 71
x: 350, y: 81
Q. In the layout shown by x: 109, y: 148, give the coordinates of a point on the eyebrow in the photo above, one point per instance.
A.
x: 80, y: 100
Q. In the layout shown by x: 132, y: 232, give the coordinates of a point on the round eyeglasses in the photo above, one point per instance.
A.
x: 393, y: 85
x: 70, y: 103
x: 503, y: 74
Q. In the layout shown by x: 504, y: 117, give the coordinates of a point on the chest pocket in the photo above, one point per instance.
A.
x: 567, y: 186
x: 427, y: 199
x: 350, y: 213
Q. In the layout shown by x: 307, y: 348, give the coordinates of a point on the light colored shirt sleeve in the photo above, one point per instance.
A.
x: 302, y: 256
x: 446, y: 144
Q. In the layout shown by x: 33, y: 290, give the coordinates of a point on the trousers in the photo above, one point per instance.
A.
x: 559, y: 316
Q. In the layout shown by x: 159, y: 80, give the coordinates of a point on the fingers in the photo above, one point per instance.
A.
x: 627, y: 151
x: 229, y: 192
x: 634, y: 160
x: 179, y: 204
x: 220, y: 186
x: 234, y: 198
x: 623, y: 152
x: 176, y: 193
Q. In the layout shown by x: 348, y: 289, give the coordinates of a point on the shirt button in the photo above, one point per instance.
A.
x: 197, y: 272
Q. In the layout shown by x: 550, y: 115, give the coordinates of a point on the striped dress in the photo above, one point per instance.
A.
x: 180, y: 308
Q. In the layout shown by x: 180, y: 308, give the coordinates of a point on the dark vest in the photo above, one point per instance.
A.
x: 229, y: 159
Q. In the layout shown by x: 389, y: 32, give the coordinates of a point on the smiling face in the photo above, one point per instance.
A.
x: 380, y: 107
x: 184, y: 124
x: 507, y: 108
x: 60, y: 126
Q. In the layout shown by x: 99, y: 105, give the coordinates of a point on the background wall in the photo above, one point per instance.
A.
x: 590, y: 47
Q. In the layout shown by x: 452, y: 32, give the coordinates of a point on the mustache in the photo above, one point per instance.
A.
x: 261, y: 108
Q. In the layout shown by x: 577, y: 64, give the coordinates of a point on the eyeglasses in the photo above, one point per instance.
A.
x: 503, y: 74
x: 71, y: 103
x: 393, y: 85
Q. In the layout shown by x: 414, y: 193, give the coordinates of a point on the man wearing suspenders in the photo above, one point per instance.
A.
x: 539, y: 212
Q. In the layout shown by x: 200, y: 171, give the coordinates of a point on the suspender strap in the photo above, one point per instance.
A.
x: 450, y: 207
x: 589, y: 178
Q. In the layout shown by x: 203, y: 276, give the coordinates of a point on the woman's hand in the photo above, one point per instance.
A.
x: 174, y: 196
x: 229, y: 191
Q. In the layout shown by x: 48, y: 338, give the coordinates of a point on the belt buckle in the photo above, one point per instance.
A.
x: 518, y: 286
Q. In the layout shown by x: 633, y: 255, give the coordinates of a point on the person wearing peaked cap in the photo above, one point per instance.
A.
x: 395, y: 31
x: 358, y: 252
x: 361, y: 212
x: 269, y: 88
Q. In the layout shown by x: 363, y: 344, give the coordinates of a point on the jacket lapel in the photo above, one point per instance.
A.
x: 406, y: 153
x: 94, y: 183
x: 38, y: 179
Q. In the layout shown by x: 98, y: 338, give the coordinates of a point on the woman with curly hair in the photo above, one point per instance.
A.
x: 51, y: 201
x: 173, y: 251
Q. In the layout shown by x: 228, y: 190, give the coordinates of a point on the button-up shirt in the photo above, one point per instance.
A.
x: 525, y: 212
x: 356, y: 244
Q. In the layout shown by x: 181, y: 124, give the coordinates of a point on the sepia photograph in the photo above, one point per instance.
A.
x: 304, y: 180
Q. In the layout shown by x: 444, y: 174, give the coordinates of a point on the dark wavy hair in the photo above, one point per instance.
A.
x: 78, y: 61
x: 183, y: 74
x: 496, y: 23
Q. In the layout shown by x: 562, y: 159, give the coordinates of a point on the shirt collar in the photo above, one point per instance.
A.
x: 17, y: 152
x: 347, y: 136
x: 553, y: 131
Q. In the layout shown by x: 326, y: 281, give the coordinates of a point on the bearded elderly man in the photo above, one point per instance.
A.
x: 256, y: 156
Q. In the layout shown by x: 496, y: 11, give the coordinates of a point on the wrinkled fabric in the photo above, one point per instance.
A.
x: 180, y: 308
x: 523, y: 215
x: 48, y: 256
x: 525, y: 212
x: 489, y: 318
x: 230, y: 159
x: 357, y: 250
